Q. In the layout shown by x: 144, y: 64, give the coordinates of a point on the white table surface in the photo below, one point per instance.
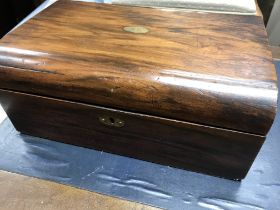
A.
x: 2, y: 114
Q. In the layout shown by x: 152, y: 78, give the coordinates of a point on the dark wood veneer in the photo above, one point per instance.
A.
x: 199, y: 148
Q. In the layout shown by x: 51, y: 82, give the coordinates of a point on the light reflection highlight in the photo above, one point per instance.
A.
x: 21, y: 51
x: 8, y: 59
x: 218, y: 87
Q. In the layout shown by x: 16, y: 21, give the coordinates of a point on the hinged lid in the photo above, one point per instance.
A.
x: 211, y: 69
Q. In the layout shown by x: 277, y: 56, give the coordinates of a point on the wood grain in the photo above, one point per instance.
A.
x: 212, y: 69
x: 209, y: 150
x: 26, y: 193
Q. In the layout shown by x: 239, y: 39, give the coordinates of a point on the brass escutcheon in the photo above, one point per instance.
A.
x: 136, y: 29
x: 111, y: 121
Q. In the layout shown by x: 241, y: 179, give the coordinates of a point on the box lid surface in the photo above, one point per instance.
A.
x: 211, y: 69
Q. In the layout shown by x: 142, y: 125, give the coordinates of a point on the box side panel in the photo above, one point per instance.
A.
x: 198, y: 148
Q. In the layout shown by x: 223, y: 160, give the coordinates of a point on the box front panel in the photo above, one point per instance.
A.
x: 196, y: 147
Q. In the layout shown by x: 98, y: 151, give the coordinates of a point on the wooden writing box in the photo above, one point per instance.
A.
x: 192, y: 90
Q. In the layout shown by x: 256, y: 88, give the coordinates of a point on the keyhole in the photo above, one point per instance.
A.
x: 112, y: 120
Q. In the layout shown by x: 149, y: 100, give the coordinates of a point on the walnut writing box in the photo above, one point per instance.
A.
x: 186, y: 89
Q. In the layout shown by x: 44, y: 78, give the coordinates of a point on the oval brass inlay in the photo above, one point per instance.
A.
x: 136, y: 29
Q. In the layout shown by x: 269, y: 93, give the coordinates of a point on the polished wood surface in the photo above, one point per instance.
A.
x: 212, y: 69
x: 18, y: 192
x: 213, y: 151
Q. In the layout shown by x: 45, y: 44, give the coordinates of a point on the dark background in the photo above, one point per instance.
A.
x: 266, y: 7
x: 13, y: 11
